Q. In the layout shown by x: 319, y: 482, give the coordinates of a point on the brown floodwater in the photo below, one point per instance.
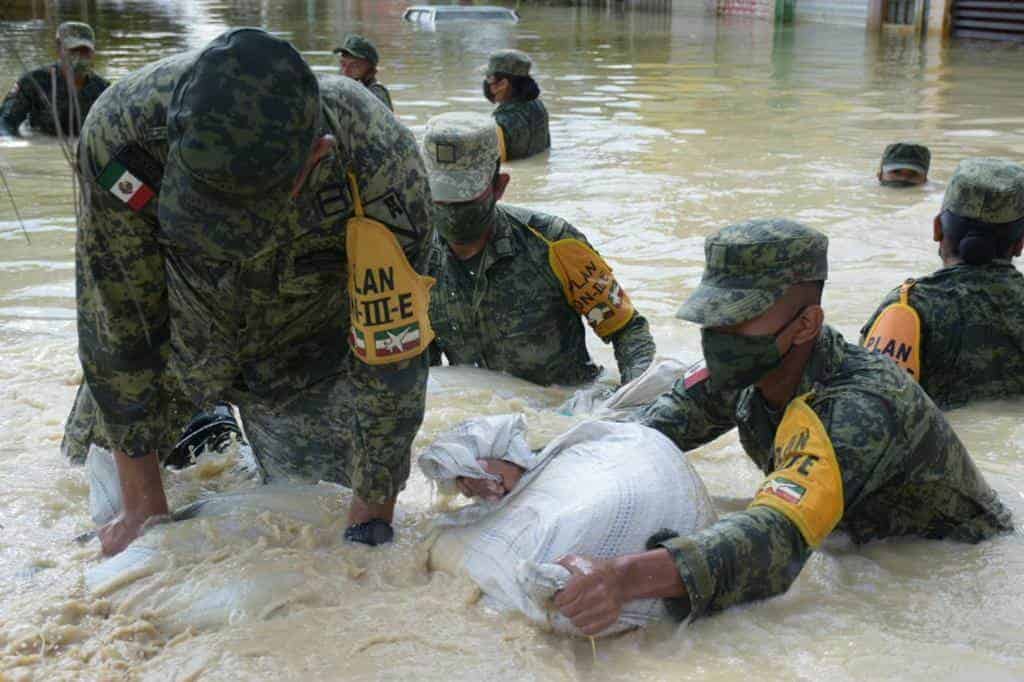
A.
x: 665, y: 126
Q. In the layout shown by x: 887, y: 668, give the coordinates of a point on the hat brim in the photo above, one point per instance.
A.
x: 74, y: 43
x: 889, y: 167
x: 711, y: 306
x: 458, y: 186
x: 220, y: 225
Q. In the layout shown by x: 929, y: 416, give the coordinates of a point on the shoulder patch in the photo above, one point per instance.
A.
x: 695, y: 374
x: 132, y: 175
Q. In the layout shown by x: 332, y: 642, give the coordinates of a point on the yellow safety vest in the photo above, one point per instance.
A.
x: 897, y: 333
x: 589, y: 285
x: 389, y: 300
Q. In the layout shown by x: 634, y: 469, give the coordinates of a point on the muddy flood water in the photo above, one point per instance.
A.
x: 665, y: 127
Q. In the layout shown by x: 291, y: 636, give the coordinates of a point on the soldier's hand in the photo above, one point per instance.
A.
x: 120, y: 532
x: 594, y: 597
x: 487, y: 489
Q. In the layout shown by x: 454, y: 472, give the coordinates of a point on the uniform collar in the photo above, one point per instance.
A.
x: 826, y: 358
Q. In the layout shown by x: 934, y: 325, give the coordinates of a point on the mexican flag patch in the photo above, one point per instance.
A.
x: 784, y: 489
x: 120, y: 182
x: 397, y: 341
x: 358, y: 342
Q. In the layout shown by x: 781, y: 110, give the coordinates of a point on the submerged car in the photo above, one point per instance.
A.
x: 432, y: 15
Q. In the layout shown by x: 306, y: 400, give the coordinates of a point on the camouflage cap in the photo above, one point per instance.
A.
x: 358, y: 47
x: 986, y: 190
x: 72, y: 34
x: 750, y: 265
x: 460, y: 150
x: 511, y: 62
x: 240, y: 125
x: 906, y: 155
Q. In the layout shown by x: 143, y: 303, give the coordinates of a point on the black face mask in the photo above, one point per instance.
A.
x: 464, y: 223
x: 487, y: 92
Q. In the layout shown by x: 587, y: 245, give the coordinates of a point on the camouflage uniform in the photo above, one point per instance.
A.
x: 506, y: 309
x: 524, y: 124
x: 903, y: 469
x: 972, y: 316
x: 32, y: 96
x: 511, y: 314
x: 186, y: 301
x: 361, y: 48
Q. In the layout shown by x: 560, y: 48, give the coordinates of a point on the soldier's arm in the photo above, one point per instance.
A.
x: 758, y: 553
x: 634, y: 345
x: 692, y: 414
x: 15, y: 107
x: 392, y: 397
x: 122, y: 306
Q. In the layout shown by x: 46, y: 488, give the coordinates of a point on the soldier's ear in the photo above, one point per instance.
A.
x: 500, y: 183
x: 937, y: 228
x: 812, y: 319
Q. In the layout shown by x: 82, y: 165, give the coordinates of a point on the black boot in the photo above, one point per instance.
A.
x: 374, y: 532
x: 211, y: 430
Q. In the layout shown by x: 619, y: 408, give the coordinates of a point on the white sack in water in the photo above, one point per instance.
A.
x: 601, y: 490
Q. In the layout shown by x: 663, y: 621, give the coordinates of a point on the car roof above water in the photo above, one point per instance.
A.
x: 433, y: 13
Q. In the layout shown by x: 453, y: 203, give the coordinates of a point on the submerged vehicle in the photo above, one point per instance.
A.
x: 432, y: 15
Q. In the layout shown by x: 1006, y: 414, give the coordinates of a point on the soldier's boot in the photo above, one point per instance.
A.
x: 374, y: 532
x: 211, y: 431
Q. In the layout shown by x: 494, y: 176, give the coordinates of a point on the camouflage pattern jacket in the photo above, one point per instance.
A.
x: 30, y: 98
x: 512, y: 315
x: 380, y: 92
x: 525, y: 125
x: 269, y: 324
x: 972, y: 332
x: 904, y: 472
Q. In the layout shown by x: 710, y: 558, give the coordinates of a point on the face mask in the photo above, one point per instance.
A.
x: 735, y: 361
x: 898, y: 183
x: 464, y: 223
x: 487, y: 92
x: 80, y: 66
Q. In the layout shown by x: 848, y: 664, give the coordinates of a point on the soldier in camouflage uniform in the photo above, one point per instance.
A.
x: 497, y: 302
x: 848, y: 440
x: 35, y: 93
x: 972, y: 309
x: 359, y: 61
x: 211, y: 261
x: 904, y: 164
x: 520, y: 114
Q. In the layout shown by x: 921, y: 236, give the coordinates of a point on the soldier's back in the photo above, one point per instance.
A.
x: 972, y: 332
x: 907, y: 470
x: 525, y: 126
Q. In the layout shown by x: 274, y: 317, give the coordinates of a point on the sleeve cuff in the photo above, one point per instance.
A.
x: 694, y: 572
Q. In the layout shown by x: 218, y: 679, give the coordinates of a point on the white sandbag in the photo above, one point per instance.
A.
x: 456, y: 452
x: 602, y: 489
x: 629, y: 399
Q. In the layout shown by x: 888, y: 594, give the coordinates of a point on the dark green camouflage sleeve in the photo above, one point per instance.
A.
x: 122, y: 307
x: 15, y: 107
x: 634, y: 346
x: 758, y: 553
x: 691, y: 414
